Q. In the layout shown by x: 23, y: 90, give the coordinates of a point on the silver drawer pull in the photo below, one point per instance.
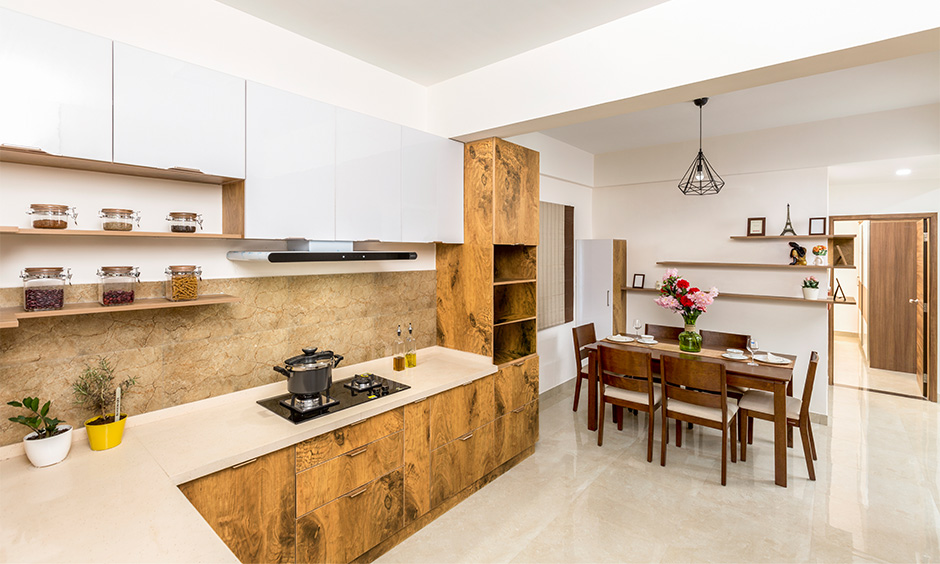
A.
x: 519, y: 363
x: 518, y: 409
x: 418, y: 401
x: 467, y: 383
x: 466, y: 437
x: 356, y: 452
x: 245, y: 463
x: 361, y: 421
x: 359, y: 492
x: 186, y: 169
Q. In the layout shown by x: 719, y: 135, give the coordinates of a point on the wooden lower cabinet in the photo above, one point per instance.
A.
x: 323, y: 447
x: 250, y: 506
x: 417, y: 459
x: 349, y: 526
x: 457, y: 411
x: 515, y: 385
x: 515, y: 432
x: 461, y: 462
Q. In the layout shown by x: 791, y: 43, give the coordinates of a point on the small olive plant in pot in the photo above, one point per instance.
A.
x: 50, y: 441
x: 95, y: 389
x: 810, y: 288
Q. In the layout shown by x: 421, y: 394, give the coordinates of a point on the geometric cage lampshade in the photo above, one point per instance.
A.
x: 700, y: 179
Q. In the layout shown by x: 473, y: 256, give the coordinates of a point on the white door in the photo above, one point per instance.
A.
x: 450, y: 191
x: 168, y: 113
x: 290, y: 166
x: 594, y: 283
x: 368, y: 178
x: 419, y: 185
x: 56, y: 93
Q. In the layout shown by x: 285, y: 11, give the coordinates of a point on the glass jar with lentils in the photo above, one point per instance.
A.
x: 118, y: 219
x: 116, y: 285
x: 51, y: 216
x: 184, y: 222
x: 182, y: 282
x: 44, y: 287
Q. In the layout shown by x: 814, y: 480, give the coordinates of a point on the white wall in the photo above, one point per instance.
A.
x: 661, y: 224
x: 557, y: 161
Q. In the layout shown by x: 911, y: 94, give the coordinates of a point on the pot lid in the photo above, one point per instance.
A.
x: 310, y: 359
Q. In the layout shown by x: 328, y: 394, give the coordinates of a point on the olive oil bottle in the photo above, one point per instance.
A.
x: 411, y: 349
x: 398, y: 358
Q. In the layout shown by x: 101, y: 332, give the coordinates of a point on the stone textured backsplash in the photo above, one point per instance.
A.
x: 179, y: 355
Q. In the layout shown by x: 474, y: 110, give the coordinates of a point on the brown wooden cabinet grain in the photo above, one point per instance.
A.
x: 250, y: 506
x: 516, y: 384
x: 461, y: 462
x: 456, y: 412
x: 515, y: 195
x: 417, y: 460
x: 323, y: 447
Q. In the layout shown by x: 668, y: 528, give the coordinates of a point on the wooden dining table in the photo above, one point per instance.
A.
x: 773, y: 378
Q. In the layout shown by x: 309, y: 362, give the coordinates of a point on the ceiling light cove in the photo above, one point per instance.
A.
x: 903, y: 172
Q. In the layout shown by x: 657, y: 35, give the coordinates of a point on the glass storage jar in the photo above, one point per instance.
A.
x: 184, y: 222
x: 44, y: 287
x: 52, y: 216
x: 118, y: 219
x: 116, y: 285
x: 182, y: 282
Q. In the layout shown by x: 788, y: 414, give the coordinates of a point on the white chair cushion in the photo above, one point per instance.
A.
x: 635, y: 397
x: 710, y: 413
x: 584, y: 362
x: 763, y: 402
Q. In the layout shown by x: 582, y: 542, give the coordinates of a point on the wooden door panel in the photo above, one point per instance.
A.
x: 250, y: 506
x: 457, y: 411
x: 516, y: 195
x: 516, y: 385
x: 921, y: 295
x: 323, y: 447
x: 461, y: 462
x: 892, y: 281
x: 417, y: 460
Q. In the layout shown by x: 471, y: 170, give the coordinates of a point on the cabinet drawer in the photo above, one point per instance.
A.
x: 323, y: 447
x: 417, y: 461
x: 327, y: 481
x: 515, y: 432
x: 515, y: 195
x: 347, y: 527
x: 456, y: 412
x: 461, y: 462
x: 516, y: 385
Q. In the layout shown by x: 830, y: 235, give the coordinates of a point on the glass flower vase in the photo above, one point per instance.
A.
x: 690, y: 340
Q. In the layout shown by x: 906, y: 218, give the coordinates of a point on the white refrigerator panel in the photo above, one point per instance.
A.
x: 594, y: 283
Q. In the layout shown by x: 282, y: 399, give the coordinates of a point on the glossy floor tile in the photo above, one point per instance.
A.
x: 851, y: 369
x: 875, y: 498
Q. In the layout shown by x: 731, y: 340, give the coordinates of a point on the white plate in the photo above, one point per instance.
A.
x: 770, y: 360
x: 620, y: 339
x: 730, y: 356
x: 642, y: 342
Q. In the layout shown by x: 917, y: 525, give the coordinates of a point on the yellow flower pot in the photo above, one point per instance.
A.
x: 108, y: 435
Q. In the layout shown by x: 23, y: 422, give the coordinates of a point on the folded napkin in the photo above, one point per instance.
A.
x: 774, y: 358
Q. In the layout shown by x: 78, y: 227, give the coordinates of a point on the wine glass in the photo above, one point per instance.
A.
x: 751, y: 347
x: 636, y: 327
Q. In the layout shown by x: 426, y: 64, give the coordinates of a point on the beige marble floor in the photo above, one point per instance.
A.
x: 851, y: 369
x: 875, y: 499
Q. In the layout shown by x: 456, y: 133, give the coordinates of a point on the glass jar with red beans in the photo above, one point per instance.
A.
x: 44, y: 287
x: 116, y: 285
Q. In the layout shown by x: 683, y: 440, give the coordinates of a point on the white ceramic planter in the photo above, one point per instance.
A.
x: 820, y: 260
x: 48, y: 451
x: 811, y: 293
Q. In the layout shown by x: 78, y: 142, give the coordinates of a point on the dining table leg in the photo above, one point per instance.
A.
x: 780, y: 434
x: 592, y: 391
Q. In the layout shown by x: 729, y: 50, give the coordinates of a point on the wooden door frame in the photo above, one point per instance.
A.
x: 931, y: 219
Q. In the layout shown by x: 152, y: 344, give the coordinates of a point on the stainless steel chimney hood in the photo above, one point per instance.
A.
x: 302, y: 250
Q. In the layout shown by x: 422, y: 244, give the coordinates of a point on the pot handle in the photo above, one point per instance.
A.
x: 336, y: 359
x: 282, y: 371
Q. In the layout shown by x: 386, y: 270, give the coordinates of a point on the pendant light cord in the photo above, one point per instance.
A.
x: 700, y: 128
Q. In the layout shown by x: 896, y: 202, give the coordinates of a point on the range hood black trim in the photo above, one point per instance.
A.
x: 345, y: 256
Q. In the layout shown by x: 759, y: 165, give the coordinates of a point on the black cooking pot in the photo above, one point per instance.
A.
x: 311, y: 372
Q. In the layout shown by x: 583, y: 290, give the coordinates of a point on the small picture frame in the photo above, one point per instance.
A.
x: 817, y: 226
x: 639, y: 280
x: 756, y: 226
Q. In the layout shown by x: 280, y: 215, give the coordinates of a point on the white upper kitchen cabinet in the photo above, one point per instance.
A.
x: 168, y: 113
x: 431, y: 188
x: 290, y: 166
x: 56, y: 93
x: 368, y: 178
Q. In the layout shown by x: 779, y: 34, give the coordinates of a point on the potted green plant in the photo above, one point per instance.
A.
x: 50, y: 441
x: 95, y: 390
x: 810, y: 288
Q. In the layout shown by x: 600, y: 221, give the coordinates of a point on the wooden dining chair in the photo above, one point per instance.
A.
x: 626, y: 381
x: 583, y: 336
x: 695, y: 391
x: 719, y: 340
x: 760, y: 404
x: 663, y: 332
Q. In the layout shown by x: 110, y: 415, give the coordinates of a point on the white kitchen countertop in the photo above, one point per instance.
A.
x: 123, y: 505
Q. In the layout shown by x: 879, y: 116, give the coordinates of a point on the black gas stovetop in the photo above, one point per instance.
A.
x: 342, y: 394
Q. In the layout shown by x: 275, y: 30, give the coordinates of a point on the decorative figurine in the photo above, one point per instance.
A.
x: 797, y: 254
x: 788, y: 228
x: 838, y: 292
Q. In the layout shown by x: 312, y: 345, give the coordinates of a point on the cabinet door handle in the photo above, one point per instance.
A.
x: 245, y: 463
x: 24, y: 148
x: 186, y: 169
x: 467, y: 383
x: 608, y: 298
x: 361, y: 421
x: 419, y: 401
x: 466, y: 437
x: 518, y: 409
x: 359, y: 492
x: 357, y: 452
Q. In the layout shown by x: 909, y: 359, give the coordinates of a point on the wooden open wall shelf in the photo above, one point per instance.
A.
x: 695, y: 264
x: 10, y: 316
x: 13, y: 230
x: 766, y: 237
x: 759, y: 297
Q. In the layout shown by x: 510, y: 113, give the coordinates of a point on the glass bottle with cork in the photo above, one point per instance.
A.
x: 411, y: 350
x: 398, y: 358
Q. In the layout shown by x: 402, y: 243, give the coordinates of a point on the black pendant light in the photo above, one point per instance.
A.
x: 700, y: 179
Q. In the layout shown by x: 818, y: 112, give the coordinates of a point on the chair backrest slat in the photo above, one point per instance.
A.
x: 583, y: 335
x: 719, y: 340
x: 630, y: 370
x: 695, y: 381
x: 664, y: 331
x: 808, y: 384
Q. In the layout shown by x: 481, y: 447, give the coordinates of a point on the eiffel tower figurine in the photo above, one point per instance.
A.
x: 788, y: 229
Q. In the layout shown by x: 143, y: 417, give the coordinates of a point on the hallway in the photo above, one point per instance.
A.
x: 850, y: 369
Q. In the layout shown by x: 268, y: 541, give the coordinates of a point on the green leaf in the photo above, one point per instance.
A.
x: 15, y: 403
x: 45, y: 408
x: 33, y: 404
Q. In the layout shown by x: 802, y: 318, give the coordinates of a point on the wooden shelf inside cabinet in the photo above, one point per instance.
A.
x: 512, y: 319
x: 10, y: 316
x: 513, y: 341
x: 779, y: 237
x: 506, y: 281
x: 747, y: 265
x: 95, y: 233
x: 760, y: 297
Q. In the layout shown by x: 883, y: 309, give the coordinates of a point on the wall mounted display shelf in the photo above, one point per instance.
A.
x: 13, y: 230
x: 695, y: 264
x: 765, y: 237
x: 759, y: 297
x: 10, y: 316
